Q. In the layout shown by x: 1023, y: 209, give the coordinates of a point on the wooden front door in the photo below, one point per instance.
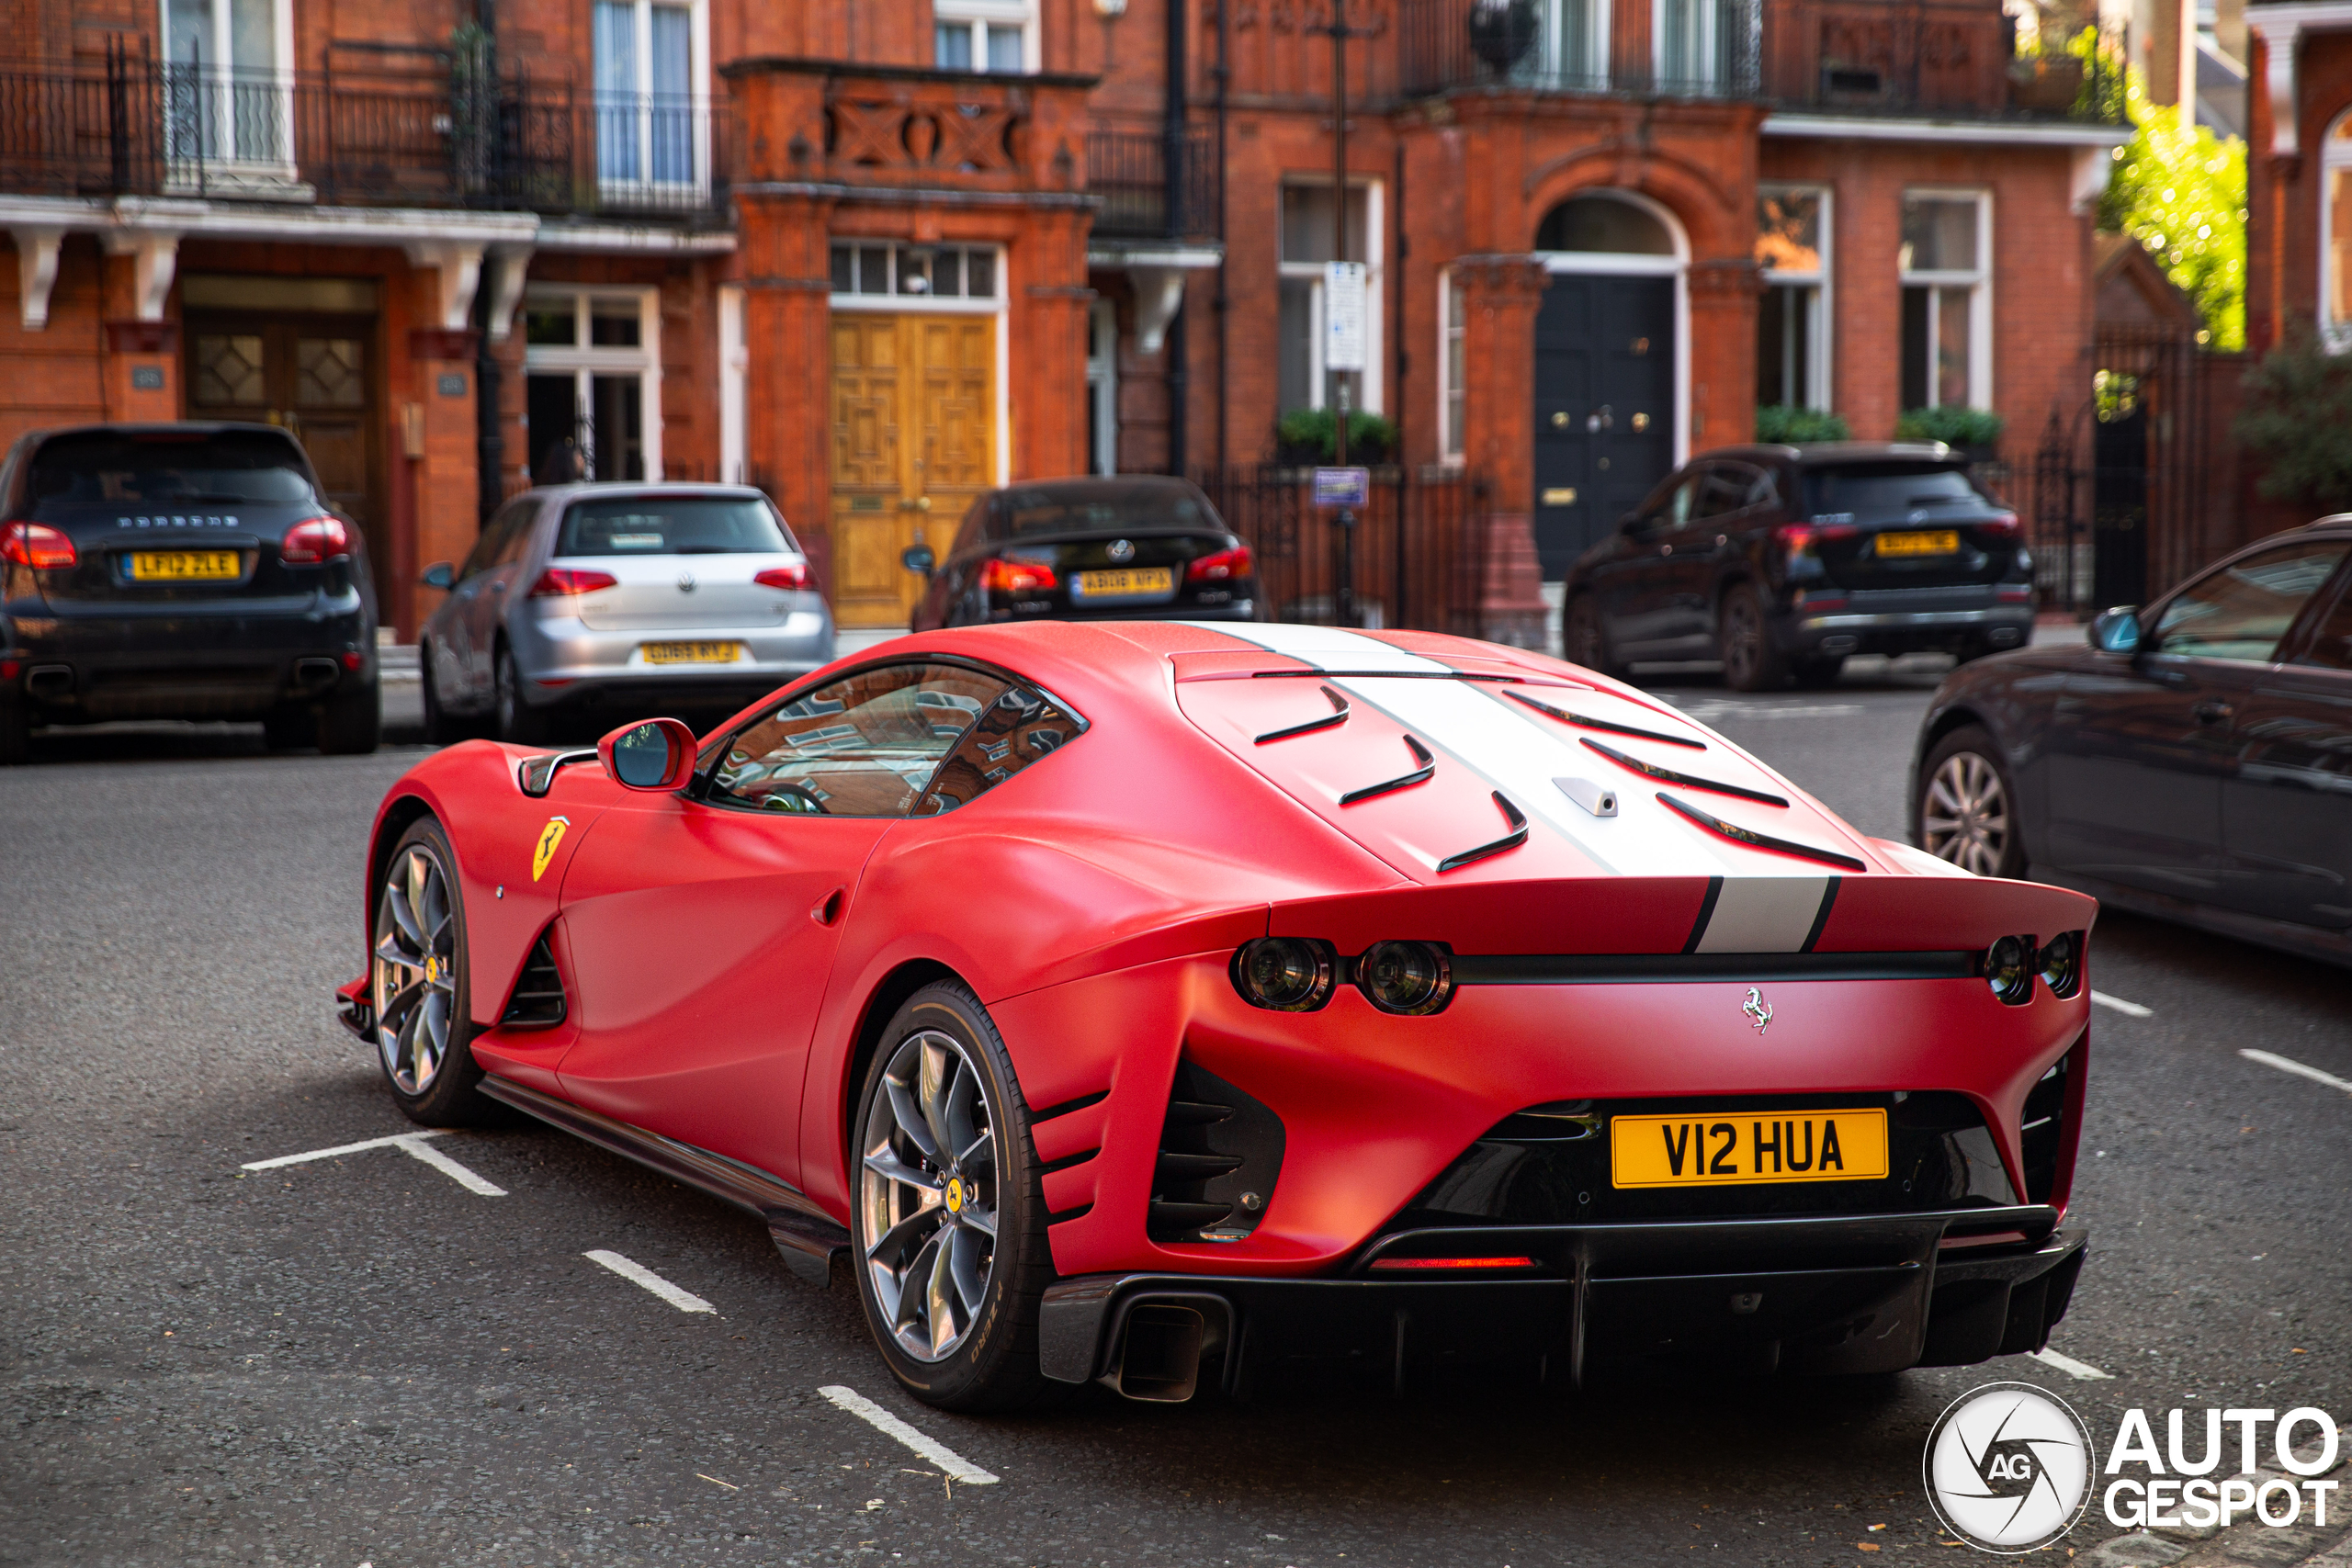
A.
x: 914, y: 443
x: 312, y: 375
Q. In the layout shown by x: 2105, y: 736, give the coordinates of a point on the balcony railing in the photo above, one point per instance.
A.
x: 1699, y: 49
x: 1129, y: 171
x: 136, y: 128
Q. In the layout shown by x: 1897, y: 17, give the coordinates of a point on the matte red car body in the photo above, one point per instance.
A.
x: 724, y: 966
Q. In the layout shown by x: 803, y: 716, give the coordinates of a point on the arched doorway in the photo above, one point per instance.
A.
x: 1611, y: 366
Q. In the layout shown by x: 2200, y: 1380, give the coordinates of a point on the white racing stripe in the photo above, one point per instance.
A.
x: 639, y: 1274
x: 956, y: 1465
x: 411, y: 1143
x: 2289, y: 1064
x: 2128, y: 1009
x: 2068, y: 1365
x: 1765, y: 914
x: 1327, y: 648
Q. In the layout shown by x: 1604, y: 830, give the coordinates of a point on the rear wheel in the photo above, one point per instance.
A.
x: 418, y: 985
x: 1586, y: 636
x: 949, y: 1228
x: 1967, y: 807
x: 519, y: 723
x: 441, y: 727
x: 16, y: 731
x: 1750, y: 661
x: 351, y: 723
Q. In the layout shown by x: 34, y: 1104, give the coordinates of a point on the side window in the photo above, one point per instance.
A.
x: 1016, y: 729
x: 492, y: 539
x: 863, y: 745
x: 2331, y: 646
x: 1726, y: 488
x: 1670, y: 506
x: 2242, y: 611
x: 516, y: 540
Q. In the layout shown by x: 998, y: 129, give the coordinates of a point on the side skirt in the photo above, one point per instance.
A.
x: 808, y: 1238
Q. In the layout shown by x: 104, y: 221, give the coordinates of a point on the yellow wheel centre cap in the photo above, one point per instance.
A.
x: 433, y: 968
x: 955, y: 1195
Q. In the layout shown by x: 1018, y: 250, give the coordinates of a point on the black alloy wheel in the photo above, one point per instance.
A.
x: 1750, y: 661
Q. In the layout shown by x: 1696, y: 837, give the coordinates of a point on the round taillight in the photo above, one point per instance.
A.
x: 2062, y: 964
x: 1405, y: 977
x: 2008, y: 969
x: 1286, y: 974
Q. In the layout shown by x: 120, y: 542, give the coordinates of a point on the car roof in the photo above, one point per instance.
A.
x: 616, y: 488
x: 1824, y: 454
x: 1082, y: 486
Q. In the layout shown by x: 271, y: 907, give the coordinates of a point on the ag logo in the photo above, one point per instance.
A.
x: 549, y: 836
x: 2008, y: 1468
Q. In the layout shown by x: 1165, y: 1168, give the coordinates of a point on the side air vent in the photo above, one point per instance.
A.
x: 1220, y: 1153
x: 2044, y: 1129
x: 539, y: 1001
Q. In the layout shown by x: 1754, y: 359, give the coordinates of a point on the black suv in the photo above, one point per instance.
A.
x: 1782, y: 560
x: 181, y: 572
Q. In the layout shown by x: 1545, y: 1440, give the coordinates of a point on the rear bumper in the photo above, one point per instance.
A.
x: 1865, y: 1295
x: 1859, y: 628
x: 565, y: 664
x: 210, y: 663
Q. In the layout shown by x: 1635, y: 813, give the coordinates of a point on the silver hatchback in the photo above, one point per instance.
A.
x: 586, y: 605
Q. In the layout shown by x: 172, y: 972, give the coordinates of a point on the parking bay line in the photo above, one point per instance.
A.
x: 411, y: 1143
x: 639, y: 1274
x: 956, y: 1465
x: 2067, y: 1364
x: 2128, y: 1009
x: 2289, y: 1064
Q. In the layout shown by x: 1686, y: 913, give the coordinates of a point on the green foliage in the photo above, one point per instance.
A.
x: 1786, y: 424
x: 2182, y: 194
x: 2298, y: 420
x: 1369, y: 437
x: 1952, y: 424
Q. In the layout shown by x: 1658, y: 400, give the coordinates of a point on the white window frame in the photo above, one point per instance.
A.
x: 1596, y: 39
x: 219, y: 83
x: 734, y: 376
x: 1978, y: 280
x: 2335, y: 155
x: 1707, y: 44
x: 1453, y: 444
x: 698, y: 109
x: 991, y: 16
x: 1376, y: 296
x: 1818, y: 380
x: 584, y: 363
x: 931, y: 305
x: 1102, y: 383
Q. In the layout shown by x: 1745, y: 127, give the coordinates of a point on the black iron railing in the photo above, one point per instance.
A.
x: 1699, y: 48
x: 1129, y: 170
x: 1417, y: 557
x: 137, y: 127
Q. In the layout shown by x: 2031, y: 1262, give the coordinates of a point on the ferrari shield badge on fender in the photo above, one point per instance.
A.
x: 549, y: 836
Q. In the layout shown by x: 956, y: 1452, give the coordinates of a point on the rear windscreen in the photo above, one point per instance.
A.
x: 1878, y: 489
x: 1045, y: 511
x: 169, y: 470
x: 671, y: 525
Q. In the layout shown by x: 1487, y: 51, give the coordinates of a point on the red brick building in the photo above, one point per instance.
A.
x: 878, y: 254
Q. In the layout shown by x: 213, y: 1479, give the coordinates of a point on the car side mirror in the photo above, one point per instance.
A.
x: 918, y: 558
x: 441, y: 575
x: 656, y: 755
x: 2117, y: 630
x: 1632, y: 523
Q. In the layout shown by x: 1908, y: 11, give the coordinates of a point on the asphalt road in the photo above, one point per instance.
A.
x: 360, y: 1360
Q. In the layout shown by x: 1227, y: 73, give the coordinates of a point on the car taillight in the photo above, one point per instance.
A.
x: 36, y: 545
x: 316, y: 540
x: 559, y: 581
x: 1223, y: 564
x: 787, y: 577
x: 1016, y: 576
x: 2005, y: 525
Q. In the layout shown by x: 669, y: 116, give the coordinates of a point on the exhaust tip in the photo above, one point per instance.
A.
x: 1160, y: 1354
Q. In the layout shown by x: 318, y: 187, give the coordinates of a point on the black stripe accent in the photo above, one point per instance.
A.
x: 1067, y: 1161
x: 1067, y: 1106
x: 1338, y: 717
x: 1744, y: 968
x: 1585, y: 722
x: 1421, y: 775
x: 1510, y: 841
x: 1068, y: 1214
x: 1821, y: 916
x: 1668, y: 775
x: 1706, y: 913
x: 1755, y: 840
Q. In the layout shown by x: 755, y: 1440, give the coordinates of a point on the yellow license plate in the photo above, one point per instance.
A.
x: 1743, y: 1148
x: 692, y: 652
x: 1126, y: 583
x: 185, y: 565
x: 1936, y: 542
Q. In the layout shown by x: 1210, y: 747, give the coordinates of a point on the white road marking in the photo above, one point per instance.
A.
x: 411, y: 1144
x: 639, y: 1274
x: 956, y: 1465
x: 2068, y: 1365
x: 2128, y: 1009
x: 2289, y: 1064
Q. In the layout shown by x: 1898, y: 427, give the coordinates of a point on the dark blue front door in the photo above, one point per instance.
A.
x: 1604, y: 406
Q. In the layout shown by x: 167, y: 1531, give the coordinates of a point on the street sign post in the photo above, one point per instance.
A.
x: 1342, y: 487
x: 1343, y: 316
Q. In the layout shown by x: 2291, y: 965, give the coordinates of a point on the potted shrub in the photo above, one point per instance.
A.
x: 1305, y: 437
x: 1787, y: 425
x: 1976, y: 432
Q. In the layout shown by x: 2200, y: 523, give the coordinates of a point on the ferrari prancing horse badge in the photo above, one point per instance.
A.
x: 549, y: 836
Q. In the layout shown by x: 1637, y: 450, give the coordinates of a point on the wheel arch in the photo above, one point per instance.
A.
x: 1962, y: 713
x: 398, y: 816
x: 882, y: 1004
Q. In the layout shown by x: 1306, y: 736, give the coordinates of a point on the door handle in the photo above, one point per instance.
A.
x: 2213, y: 712
x: 828, y: 909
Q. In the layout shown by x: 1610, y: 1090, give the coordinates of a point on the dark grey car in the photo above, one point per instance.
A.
x: 2192, y: 760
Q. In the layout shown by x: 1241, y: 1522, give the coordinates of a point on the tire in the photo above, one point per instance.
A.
x: 1583, y: 634
x: 1967, y: 809
x: 983, y: 1356
x: 1750, y: 661
x: 442, y: 728
x: 1816, y: 673
x: 426, y: 1057
x: 351, y: 724
x: 519, y: 724
x: 15, y: 732
x: 294, y: 728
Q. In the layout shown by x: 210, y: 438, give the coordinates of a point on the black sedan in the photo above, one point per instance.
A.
x: 1135, y: 546
x: 1783, y: 560
x: 2193, y: 761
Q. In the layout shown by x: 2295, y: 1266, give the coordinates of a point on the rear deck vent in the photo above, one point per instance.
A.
x: 1220, y: 1152
x: 537, y: 1001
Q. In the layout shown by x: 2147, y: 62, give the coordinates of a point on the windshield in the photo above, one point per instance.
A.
x: 1875, y: 490
x: 169, y: 468
x: 671, y: 525
x: 1105, y: 508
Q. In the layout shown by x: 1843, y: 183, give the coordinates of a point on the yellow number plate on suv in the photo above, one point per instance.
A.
x: 1936, y: 542
x: 1127, y: 583
x: 692, y: 652
x: 1742, y: 1148
x: 185, y: 565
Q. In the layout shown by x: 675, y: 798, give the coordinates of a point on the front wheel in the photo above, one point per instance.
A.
x: 1967, y: 810
x: 1750, y: 661
x: 418, y: 985
x: 949, y: 1228
x: 519, y: 723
